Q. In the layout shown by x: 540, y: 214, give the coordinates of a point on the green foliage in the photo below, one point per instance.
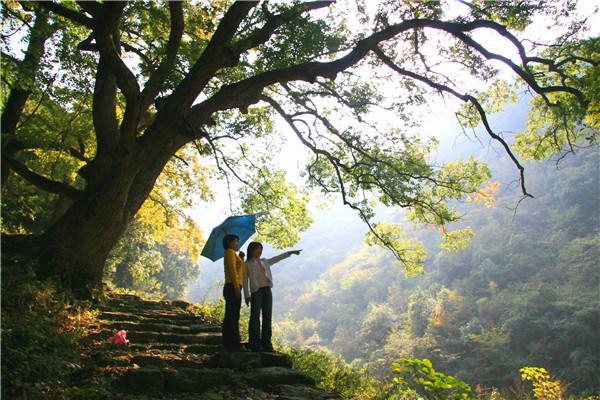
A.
x: 420, y: 373
x: 158, y: 267
x: 565, y: 124
x: 333, y: 375
x: 213, y: 312
x: 42, y: 352
x: 303, y: 39
x: 281, y: 208
x: 457, y: 240
x: 411, y: 253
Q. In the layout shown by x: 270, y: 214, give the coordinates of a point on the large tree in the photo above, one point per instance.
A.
x: 106, y: 94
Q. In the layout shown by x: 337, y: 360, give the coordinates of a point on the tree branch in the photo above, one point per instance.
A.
x: 246, y: 92
x: 215, y: 56
x: 274, y: 21
x: 464, y: 97
x: 40, y: 181
x: 156, y: 80
x: 28, y: 68
x: 67, y: 13
x: 335, y: 164
x: 24, y: 82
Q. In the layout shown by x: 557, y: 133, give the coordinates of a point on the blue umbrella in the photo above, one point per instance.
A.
x: 241, y: 225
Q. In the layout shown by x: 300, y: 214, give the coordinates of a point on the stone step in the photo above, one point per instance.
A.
x: 149, y: 337
x: 114, y: 296
x: 300, y: 392
x: 269, y: 376
x: 157, y: 327
x: 161, y: 380
x: 129, y: 317
x: 175, y: 361
x: 121, y: 315
x: 180, y: 359
x: 209, y: 338
x: 158, y: 359
x: 199, y: 349
x: 202, y: 348
x: 141, y: 347
x: 197, y: 380
x: 249, y: 360
x: 136, y: 300
x: 144, y: 310
x: 144, y: 306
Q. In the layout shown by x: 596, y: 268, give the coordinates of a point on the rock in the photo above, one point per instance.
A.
x: 196, y: 380
x: 271, y: 359
x: 146, y: 380
x: 202, y: 348
x: 142, y: 337
x: 300, y: 392
x: 236, y: 360
x: 149, y: 360
x: 181, y: 304
x: 269, y: 376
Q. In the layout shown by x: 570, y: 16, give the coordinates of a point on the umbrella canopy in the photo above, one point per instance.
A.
x: 241, y: 225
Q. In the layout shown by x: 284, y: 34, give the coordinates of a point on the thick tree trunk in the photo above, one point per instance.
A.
x: 75, y: 248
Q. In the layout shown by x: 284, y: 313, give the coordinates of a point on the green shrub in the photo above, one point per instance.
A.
x: 212, y: 312
x: 420, y: 374
x: 41, y: 334
x: 335, y: 376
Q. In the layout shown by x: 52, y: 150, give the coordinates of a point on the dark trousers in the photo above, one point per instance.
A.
x: 231, y: 322
x: 261, y: 301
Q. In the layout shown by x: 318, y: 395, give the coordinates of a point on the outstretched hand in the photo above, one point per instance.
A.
x: 296, y: 252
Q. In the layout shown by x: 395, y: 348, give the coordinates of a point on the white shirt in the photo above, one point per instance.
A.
x: 254, y: 277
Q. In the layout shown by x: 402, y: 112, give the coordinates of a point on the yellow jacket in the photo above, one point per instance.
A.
x: 235, y: 268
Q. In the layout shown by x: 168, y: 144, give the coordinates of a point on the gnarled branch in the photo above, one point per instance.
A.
x: 156, y: 80
x: 39, y: 181
x: 464, y: 97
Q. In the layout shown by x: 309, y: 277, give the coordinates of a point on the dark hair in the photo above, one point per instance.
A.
x: 228, y: 239
x: 251, y: 247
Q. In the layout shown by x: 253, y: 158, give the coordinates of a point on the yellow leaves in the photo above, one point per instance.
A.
x: 185, y: 239
x: 408, y: 252
x: 486, y: 195
x: 182, y: 183
x: 545, y: 387
x: 456, y: 240
x: 593, y: 114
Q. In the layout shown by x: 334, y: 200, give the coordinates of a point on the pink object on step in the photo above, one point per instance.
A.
x: 119, y: 338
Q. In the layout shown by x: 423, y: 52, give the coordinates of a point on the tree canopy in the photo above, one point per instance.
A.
x: 102, y: 100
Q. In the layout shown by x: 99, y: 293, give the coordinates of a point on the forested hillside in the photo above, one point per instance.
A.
x: 525, y: 293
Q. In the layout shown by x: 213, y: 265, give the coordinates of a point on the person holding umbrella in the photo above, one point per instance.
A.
x: 224, y: 241
x: 235, y: 270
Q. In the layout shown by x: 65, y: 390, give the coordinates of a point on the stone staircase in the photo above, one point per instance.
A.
x: 173, y: 353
